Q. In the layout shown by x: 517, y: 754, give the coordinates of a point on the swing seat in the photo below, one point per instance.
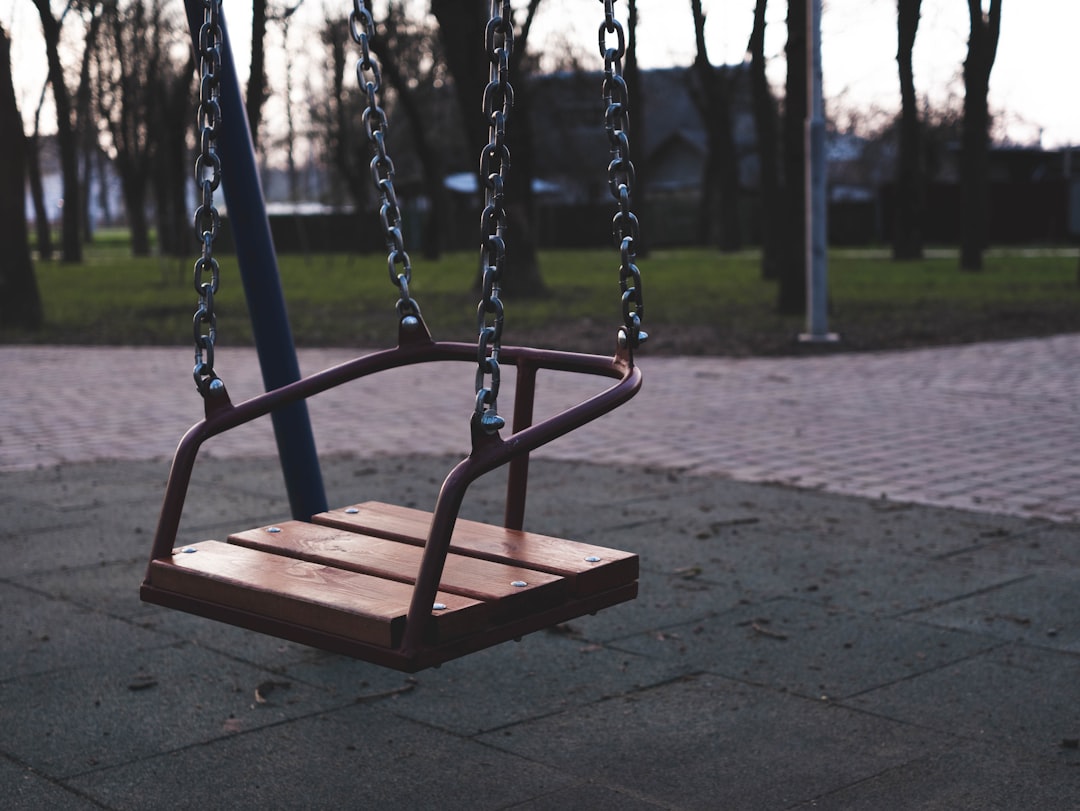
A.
x: 395, y: 586
x: 336, y: 584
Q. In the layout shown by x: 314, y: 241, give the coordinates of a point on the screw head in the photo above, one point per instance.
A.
x: 438, y: 607
x: 187, y: 550
x: 273, y: 529
x: 351, y: 510
x: 592, y: 559
x: 518, y: 584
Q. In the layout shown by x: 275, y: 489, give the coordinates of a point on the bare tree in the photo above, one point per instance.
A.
x: 791, y: 298
x: 719, y: 217
x: 172, y: 101
x: 20, y: 301
x: 144, y: 90
x: 257, y: 86
x: 406, y: 77
x: 638, y: 116
x: 462, y: 25
x: 766, y: 125
x: 42, y: 225
x: 339, y: 128
x: 123, y: 104
x: 975, y: 138
x: 71, y: 242
x: 911, y: 172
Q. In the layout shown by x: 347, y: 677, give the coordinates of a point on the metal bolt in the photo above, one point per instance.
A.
x: 438, y: 607
x: 351, y: 510
x: 273, y: 529
x: 519, y: 584
x: 592, y: 559
x: 187, y: 550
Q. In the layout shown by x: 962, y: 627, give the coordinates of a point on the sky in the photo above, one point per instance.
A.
x: 1032, y: 86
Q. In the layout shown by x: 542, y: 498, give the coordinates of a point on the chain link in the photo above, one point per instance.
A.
x: 494, y: 163
x: 207, y: 178
x: 621, y: 177
x: 369, y: 75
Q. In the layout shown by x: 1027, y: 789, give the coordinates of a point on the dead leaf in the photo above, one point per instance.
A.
x: 758, y: 628
x: 266, y: 688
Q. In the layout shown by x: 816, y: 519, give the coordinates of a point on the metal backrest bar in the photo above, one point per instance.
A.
x: 489, y: 450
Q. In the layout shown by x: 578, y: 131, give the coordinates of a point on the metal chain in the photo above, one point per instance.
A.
x: 621, y: 177
x: 362, y: 30
x: 494, y: 162
x: 207, y: 177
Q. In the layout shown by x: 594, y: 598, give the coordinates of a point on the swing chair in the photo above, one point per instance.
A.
x: 396, y: 586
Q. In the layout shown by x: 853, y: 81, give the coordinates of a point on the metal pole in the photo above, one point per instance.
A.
x: 817, y: 282
x: 262, y: 284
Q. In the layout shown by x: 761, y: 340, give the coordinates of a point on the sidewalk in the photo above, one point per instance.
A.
x: 992, y: 427
x: 807, y: 647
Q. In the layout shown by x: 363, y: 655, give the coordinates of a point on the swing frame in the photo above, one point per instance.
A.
x: 489, y: 451
x: 417, y: 637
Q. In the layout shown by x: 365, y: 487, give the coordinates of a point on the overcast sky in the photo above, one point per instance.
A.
x: 1033, y: 81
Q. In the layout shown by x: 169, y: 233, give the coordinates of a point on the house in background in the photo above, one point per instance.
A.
x: 1035, y: 193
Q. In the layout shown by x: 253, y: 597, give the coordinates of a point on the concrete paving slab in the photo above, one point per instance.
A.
x: 589, y: 796
x: 362, y: 756
x: 1039, y: 609
x: 40, y: 633
x: 127, y: 704
x: 808, y: 649
x: 26, y: 790
x: 513, y: 684
x: 1012, y: 696
x: 701, y: 742
x: 1000, y: 778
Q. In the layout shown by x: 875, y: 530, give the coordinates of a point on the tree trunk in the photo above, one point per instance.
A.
x: 766, y: 124
x: 638, y: 117
x: 20, y: 301
x: 791, y: 299
x: 720, y: 210
x: 65, y: 134
x: 87, y: 132
x: 426, y: 151
x: 975, y: 134
x: 256, y: 88
x: 346, y: 155
x: 171, y: 110
x: 133, y: 186
x: 911, y: 175
x: 42, y: 224
x: 462, y: 25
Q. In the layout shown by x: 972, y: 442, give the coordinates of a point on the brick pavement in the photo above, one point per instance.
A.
x: 990, y: 427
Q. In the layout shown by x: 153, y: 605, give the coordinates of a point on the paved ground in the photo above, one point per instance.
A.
x: 993, y: 427
x: 815, y: 646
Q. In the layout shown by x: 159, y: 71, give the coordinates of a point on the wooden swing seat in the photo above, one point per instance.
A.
x: 395, y: 586
x: 337, y: 582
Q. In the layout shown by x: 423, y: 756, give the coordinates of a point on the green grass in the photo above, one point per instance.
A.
x: 697, y: 301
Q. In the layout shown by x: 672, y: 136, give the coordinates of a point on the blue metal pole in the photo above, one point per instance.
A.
x: 817, y: 278
x: 262, y: 284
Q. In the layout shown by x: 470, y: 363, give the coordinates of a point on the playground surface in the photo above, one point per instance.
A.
x: 860, y: 588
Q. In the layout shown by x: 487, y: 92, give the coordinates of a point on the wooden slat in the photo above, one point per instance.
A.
x: 570, y: 559
x: 352, y: 605
x: 470, y: 577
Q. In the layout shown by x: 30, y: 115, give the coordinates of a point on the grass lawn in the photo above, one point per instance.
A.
x: 697, y: 301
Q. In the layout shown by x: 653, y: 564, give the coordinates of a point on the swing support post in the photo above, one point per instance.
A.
x: 262, y: 285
